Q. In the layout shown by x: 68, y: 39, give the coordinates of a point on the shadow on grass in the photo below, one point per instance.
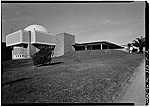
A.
x: 54, y: 63
x: 11, y: 82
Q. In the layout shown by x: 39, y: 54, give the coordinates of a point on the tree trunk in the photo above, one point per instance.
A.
x: 141, y: 49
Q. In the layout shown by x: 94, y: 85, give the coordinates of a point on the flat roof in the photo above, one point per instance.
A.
x: 96, y: 43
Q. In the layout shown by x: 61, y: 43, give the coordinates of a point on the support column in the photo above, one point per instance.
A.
x: 101, y: 46
x: 29, y: 45
x: 85, y: 47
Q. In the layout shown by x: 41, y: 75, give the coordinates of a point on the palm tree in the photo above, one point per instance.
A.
x: 129, y: 45
x: 140, y: 43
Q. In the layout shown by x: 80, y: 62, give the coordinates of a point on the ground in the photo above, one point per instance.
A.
x: 96, y: 76
x: 134, y: 91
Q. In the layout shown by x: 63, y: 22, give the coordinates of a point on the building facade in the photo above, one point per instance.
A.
x: 96, y: 46
x: 29, y: 41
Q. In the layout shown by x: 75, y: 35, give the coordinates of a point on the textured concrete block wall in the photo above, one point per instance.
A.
x: 59, y: 47
x: 64, y: 44
x: 69, y: 40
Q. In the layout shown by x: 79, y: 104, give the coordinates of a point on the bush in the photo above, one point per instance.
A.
x: 42, y: 57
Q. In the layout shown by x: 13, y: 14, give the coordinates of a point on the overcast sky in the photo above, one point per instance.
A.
x: 118, y: 23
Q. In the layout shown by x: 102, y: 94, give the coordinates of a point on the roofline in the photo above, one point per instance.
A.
x: 95, y: 43
x: 13, y: 33
x: 101, y: 42
x: 19, y: 43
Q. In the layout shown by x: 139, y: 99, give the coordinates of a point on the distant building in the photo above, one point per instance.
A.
x: 96, y: 46
x: 26, y: 42
x: 126, y: 48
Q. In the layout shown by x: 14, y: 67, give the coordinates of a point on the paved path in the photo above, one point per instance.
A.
x: 134, y: 91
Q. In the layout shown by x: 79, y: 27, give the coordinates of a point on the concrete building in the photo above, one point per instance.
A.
x: 96, y: 46
x: 29, y: 41
x: 34, y: 37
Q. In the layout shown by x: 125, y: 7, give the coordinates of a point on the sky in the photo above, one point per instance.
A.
x: 118, y: 23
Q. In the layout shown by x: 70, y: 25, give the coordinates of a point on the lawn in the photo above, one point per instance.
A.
x: 82, y: 77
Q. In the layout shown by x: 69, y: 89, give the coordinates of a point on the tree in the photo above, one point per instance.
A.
x: 140, y: 43
x: 6, y: 52
x: 42, y: 57
x: 129, y: 45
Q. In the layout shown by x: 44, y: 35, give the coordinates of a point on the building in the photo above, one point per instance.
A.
x: 29, y: 41
x: 26, y: 42
x: 126, y: 48
x: 96, y: 46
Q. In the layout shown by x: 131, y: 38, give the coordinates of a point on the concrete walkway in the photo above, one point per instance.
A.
x: 134, y: 91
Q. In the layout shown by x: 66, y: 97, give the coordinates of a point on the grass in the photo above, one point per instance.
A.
x: 83, y: 77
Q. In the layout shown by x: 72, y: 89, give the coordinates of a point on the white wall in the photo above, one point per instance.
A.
x: 14, y: 38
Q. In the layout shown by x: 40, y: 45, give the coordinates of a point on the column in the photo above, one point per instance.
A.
x: 85, y: 47
x: 101, y: 46
x: 29, y: 45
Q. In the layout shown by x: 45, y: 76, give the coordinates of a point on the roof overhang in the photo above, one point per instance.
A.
x: 96, y: 43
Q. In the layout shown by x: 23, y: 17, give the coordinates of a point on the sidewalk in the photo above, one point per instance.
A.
x: 134, y: 91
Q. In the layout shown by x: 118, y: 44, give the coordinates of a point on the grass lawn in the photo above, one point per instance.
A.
x: 83, y: 77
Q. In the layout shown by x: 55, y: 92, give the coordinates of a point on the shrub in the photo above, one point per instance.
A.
x: 42, y: 57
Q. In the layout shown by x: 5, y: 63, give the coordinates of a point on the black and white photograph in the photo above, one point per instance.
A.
x: 75, y: 53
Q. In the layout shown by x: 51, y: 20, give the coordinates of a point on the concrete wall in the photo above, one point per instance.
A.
x: 33, y: 50
x: 69, y: 40
x: 36, y: 37
x: 64, y: 44
x: 59, y: 47
x: 14, y: 38
x: 19, y: 52
x: 25, y: 37
x: 41, y: 37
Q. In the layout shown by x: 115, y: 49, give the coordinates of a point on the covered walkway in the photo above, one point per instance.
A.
x: 96, y: 46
